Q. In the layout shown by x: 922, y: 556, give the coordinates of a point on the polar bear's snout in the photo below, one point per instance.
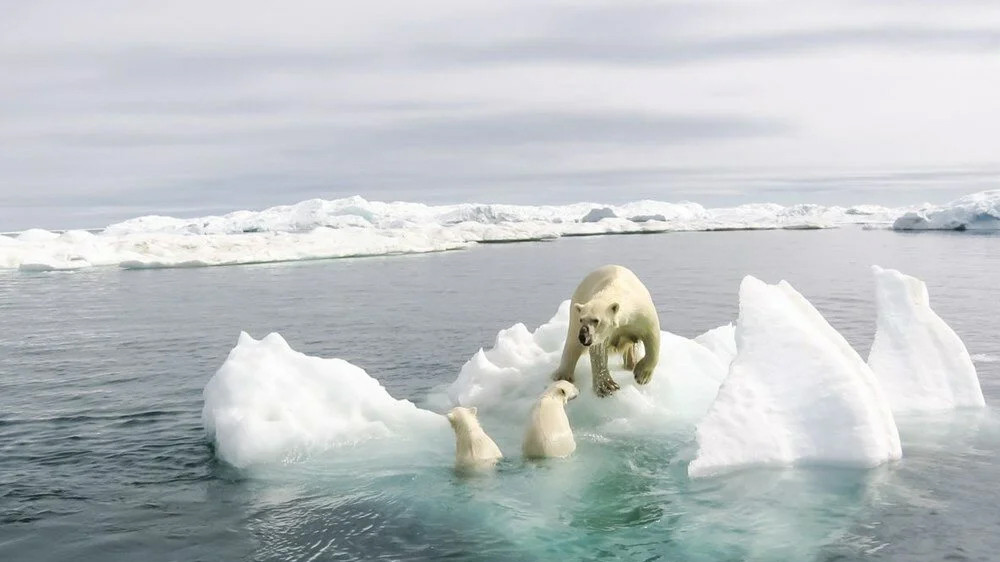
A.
x: 586, y: 335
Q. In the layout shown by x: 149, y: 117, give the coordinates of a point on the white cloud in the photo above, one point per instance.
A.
x: 198, y: 105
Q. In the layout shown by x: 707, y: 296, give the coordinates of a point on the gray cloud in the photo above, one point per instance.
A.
x: 524, y: 129
x: 491, y: 102
x: 452, y: 132
x: 666, y: 50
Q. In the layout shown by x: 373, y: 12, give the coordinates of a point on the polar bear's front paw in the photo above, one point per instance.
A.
x: 605, y: 386
x: 643, y: 372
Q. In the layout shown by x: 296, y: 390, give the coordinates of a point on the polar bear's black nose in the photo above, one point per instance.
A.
x: 585, y: 336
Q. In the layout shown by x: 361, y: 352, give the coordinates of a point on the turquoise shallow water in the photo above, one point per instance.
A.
x: 104, y: 458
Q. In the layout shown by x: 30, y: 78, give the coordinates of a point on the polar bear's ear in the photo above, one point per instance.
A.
x: 578, y: 307
x: 473, y: 410
x: 614, y: 308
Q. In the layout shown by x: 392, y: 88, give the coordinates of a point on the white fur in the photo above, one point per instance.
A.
x: 620, y: 311
x: 474, y: 450
x: 549, y: 433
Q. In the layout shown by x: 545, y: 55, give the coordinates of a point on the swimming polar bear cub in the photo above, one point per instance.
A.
x: 549, y: 433
x: 611, y: 310
x: 474, y: 450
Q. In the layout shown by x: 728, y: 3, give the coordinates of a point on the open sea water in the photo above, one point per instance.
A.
x: 103, y: 456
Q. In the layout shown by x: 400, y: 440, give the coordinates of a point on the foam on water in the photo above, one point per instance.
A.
x: 796, y: 393
x: 986, y: 358
x: 318, y: 229
x: 920, y: 361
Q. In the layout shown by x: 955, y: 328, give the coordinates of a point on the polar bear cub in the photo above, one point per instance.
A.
x: 474, y: 450
x: 549, y: 433
x: 612, y: 311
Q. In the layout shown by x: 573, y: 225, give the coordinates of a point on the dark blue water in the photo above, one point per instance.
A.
x: 103, y: 457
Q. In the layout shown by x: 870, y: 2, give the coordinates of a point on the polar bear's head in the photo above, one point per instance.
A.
x: 463, y: 418
x: 598, y: 320
x: 562, y: 390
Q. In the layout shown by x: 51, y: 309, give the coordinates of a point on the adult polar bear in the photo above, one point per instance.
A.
x: 611, y: 310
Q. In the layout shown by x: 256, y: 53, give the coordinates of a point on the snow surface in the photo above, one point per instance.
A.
x: 979, y: 211
x: 80, y: 249
x: 505, y: 381
x: 270, y: 403
x: 318, y: 229
x: 721, y: 341
x: 919, y: 360
x: 796, y: 393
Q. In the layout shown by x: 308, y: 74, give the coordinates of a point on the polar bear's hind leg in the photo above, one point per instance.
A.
x: 643, y: 370
x: 629, y: 348
x: 630, y: 355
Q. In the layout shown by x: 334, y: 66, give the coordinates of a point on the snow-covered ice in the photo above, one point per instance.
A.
x: 978, y: 211
x: 80, y: 249
x: 504, y: 381
x: 780, y: 387
x: 796, y: 393
x: 919, y: 360
x: 721, y: 341
x: 353, y: 226
x: 270, y: 403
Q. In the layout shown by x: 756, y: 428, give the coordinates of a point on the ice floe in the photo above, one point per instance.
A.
x: 979, y: 211
x: 270, y: 403
x: 721, y: 341
x: 80, y: 249
x: 504, y: 381
x: 353, y: 226
x: 919, y: 360
x: 780, y: 387
x: 796, y: 393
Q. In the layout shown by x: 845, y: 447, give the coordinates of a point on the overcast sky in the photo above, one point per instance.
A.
x: 111, y: 109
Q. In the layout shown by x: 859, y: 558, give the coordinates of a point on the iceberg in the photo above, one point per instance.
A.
x: 353, y: 226
x: 919, y: 360
x: 504, y: 382
x: 269, y: 403
x: 979, y: 211
x: 796, y: 393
